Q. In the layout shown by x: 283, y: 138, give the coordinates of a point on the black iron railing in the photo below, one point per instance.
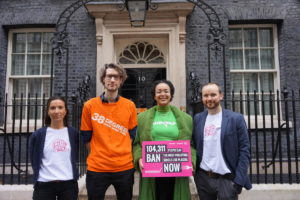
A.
x: 273, y: 124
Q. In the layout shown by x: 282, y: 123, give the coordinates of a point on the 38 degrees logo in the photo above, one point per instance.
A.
x: 109, y: 123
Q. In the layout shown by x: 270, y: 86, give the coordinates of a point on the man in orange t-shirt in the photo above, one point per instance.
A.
x: 108, y: 126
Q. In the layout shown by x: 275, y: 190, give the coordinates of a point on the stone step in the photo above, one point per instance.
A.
x: 194, y: 197
x: 110, y: 193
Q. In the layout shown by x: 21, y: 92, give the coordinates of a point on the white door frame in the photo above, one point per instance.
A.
x: 167, y: 21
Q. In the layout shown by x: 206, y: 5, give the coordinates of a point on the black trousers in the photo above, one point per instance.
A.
x: 98, y: 182
x: 164, y: 187
x: 215, y: 188
x: 56, y: 190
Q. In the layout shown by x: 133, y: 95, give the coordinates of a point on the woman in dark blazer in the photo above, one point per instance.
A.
x: 53, y: 154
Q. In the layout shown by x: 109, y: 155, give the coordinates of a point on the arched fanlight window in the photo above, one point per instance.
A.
x: 141, y: 53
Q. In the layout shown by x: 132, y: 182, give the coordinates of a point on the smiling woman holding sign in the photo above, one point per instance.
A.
x: 162, y: 122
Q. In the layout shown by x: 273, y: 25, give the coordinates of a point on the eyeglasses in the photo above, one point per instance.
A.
x: 110, y: 76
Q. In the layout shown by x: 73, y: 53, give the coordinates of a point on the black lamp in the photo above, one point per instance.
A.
x: 137, y: 11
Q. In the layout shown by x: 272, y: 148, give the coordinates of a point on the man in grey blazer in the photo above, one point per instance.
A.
x: 221, y: 140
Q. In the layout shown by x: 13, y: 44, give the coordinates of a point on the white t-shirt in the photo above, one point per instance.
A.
x: 212, y: 153
x: 56, y: 161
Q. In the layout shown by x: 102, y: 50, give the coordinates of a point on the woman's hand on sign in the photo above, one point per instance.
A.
x: 141, y: 164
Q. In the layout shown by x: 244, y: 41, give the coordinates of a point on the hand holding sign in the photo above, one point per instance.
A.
x: 141, y: 164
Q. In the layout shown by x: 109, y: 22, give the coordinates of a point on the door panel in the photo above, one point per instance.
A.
x: 138, y: 85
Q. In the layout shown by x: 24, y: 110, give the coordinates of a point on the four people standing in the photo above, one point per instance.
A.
x: 221, y: 139
x: 54, y: 154
x: 159, y: 123
x: 108, y: 126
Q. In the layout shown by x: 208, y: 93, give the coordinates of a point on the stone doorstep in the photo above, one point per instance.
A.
x: 108, y: 197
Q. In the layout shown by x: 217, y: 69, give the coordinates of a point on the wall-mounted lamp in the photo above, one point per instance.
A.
x: 137, y: 11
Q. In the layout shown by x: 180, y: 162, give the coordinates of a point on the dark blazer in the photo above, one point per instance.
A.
x: 36, y: 148
x: 234, y: 143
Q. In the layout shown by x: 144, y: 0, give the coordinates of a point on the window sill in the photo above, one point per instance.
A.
x: 16, y: 128
x: 266, y: 123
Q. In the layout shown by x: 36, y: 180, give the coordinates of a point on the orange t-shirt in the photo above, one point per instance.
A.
x: 110, y: 145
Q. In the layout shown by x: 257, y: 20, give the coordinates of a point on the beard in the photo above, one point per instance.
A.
x: 212, y: 105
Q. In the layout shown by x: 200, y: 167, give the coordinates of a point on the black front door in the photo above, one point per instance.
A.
x: 138, y: 85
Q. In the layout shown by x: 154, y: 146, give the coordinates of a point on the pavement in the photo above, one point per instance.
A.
x: 258, y: 192
x: 110, y: 193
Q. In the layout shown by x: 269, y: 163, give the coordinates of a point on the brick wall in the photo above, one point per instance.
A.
x: 38, y: 13
x: 286, y: 14
x: 82, y: 60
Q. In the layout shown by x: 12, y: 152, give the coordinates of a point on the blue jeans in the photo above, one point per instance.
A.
x: 62, y: 190
x: 98, y: 182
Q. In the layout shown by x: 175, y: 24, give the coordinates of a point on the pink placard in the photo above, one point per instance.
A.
x: 166, y: 158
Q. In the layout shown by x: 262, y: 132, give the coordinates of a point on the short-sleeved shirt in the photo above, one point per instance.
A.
x: 56, y: 163
x: 213, y: 159
x: 110, y: 145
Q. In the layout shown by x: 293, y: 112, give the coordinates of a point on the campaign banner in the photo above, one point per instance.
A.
x: 166, y: 158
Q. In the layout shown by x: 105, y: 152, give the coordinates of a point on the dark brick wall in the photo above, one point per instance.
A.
x: 82, y: 54
x: 82, y: 60
x: 82, y: 50
x: 3, y: 61
x: 38, y: 13
x: 286, y: 14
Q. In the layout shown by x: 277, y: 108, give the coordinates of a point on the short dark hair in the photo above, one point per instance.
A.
x: 47, y: 117
x: 118, y: 68
x: 211, y: 83
x: 169, y: 83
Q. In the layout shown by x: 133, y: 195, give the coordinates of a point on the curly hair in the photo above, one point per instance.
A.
x: 118, y: 68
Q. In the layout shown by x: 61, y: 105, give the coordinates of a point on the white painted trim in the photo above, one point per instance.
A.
x: 276, y: 70
x: 9, y: 78
x: 276, y: 52
x: 168, y: 21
